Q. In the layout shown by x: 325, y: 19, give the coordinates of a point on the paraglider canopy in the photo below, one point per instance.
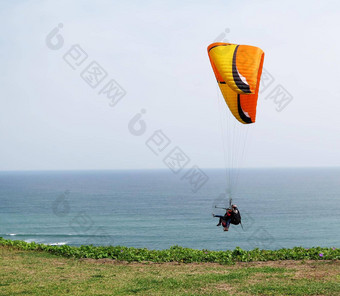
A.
x: 238, y: 71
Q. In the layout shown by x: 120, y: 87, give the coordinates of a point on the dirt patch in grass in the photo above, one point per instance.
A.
x: 322, y: 270
x: 309, y: 269
x: 225, y: 287
x: 279, y: 263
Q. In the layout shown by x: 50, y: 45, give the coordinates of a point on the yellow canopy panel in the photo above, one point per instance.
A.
x: 238, y: 71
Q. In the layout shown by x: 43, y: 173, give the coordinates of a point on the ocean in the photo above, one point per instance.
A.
x: 156, y: 209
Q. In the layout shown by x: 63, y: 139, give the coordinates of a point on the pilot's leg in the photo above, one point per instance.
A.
x: 219, y: 222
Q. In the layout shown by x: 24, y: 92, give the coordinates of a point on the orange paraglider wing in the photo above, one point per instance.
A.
x: 238, y: 70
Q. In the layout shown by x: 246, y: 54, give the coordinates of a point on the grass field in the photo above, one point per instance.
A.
x: 41, y: 273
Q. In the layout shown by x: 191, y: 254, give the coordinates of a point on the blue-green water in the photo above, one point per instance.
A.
x: 157, y: 209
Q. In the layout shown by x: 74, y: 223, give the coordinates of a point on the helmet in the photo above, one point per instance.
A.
x: 234, y: 206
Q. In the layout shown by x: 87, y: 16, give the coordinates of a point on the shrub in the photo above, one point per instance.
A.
x: 178, y: 254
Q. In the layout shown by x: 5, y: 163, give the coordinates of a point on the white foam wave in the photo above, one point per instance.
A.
x: 29, y: 240
x: 58, y: 244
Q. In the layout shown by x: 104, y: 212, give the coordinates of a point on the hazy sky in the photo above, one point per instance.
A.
x: 50, y: 118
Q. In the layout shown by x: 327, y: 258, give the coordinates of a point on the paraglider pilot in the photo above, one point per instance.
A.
x: 232, y: 216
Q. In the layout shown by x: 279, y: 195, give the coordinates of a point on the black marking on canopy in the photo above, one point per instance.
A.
x: 243, y: 116
x: 238, y: 81
x: 218, y: 45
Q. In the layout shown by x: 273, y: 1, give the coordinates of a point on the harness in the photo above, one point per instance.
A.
x: 236, y: 218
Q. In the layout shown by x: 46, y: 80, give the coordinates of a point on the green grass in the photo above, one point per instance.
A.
x: 31, y: 272
x: 179, y: 254
x: 303, y: 287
